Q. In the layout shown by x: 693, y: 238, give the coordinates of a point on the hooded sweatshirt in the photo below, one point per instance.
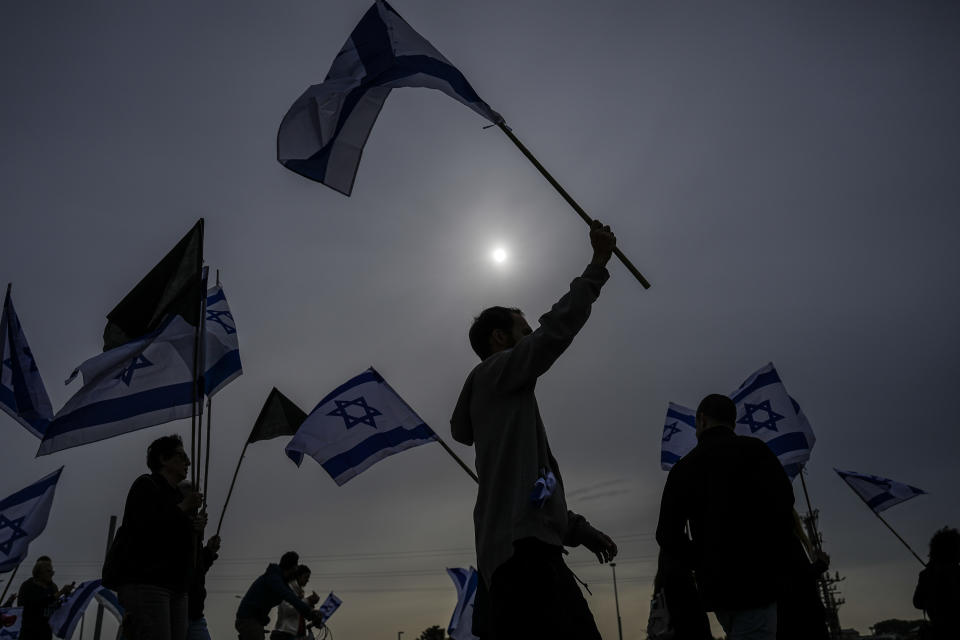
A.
x: 497, y: 412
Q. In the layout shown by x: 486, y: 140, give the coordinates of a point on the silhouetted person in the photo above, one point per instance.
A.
x: 688, y: 619
x: 39, y: 597
x: 266, y: 592
x: 290, y: 623
x: 158, y: 536
x: 738, y: 502
x: 938, y: 589
x: 800, y: 613
x: 197, y: 595
x: 526, y: 590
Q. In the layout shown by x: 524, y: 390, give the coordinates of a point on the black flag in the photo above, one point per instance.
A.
x: 279, y: 417
x: 173, y: 286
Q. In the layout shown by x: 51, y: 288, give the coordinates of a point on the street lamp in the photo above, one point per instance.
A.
x: 616, y: 599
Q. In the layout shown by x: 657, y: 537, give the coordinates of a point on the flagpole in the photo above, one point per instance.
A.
x: 463, y: 464
x: 232, y: 482
x: 566, y: 196
x: 909, y: 548
x: 9, y: 582
x: 206, y: 463
x: 99, y: 622
x: 194, y: 443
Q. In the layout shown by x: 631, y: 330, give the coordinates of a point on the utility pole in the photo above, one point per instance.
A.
x: 827, y: 585
x: 616, y: 599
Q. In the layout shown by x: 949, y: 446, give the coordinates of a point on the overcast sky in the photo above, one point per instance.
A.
x: 785, y: 174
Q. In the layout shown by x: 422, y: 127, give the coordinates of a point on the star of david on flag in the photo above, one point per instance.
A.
x: 23, y: 517
x: 221, y: 346
x: 142, y: 383
x: 10, y: 627
x: 461, y: 622
x: 879, y: 493
x: 22, y: 392
x: 764, y: 410
x: 323, y: 133
x: 356, y: 425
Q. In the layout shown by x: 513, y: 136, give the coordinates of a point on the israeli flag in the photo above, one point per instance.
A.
x: 879, y: 493
x: 10, y: 620
x: 23, y: 517
x: 108, y: 599
x: 22, y: 393
x: 461, y: 623
x: 221, y: 347
x: 766, y: 411
x: 65, y: 618
x: 679, y: 435
x: 322, y: 135
x: 142, y: 383
x: 331, y: 604
x: 356, y: 425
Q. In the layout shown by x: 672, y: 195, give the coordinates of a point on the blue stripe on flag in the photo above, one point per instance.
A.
x: 367, y: 376
x: 107, y: 411
x: 81, y: 601
x: 374, y: 444
x: 33, y: 491
x: 762, y: 380
x: 668, y: 457
x: 215, y: 298
x: 787, y: 443
x: 683, y: 417
x: 879, y: 499
x: 225, y: 367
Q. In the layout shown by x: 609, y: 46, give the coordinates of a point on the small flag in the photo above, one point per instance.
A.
x: 679, y: 435
x: 23, y: 517
x: 64, y: 619
x: 140, y: 384
x: 879, y: 493
x: 110, y: 602
x: 331, y: 604
x: 322, y: 135
x: 173, y: 286
x: 221, y: 347
x: 22, y: 392
x: 278, y: 417
x: 356, y: 425
x: 10, y: 619
x: 461, y: 623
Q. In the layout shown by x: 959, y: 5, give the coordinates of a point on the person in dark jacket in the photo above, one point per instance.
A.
x: 938, y: 589
x: 687, y: 618
x: 197, y: 596
x: 39, y: 598
x: 800, y: 613
x: 738, y: 502
x: 160, y: 526
x: 266, y: 592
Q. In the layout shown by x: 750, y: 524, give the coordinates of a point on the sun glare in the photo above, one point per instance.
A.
x: 499, y: 255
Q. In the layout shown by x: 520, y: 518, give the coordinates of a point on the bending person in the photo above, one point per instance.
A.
x: 268, y: 591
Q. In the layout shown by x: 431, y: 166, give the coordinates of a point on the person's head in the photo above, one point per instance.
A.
x: 496, y: 329
x: 43, y: 569
x: 715, y: 411
x: 945, y: 546
x: 166, y: 456
x: 288, y: 565
x: 303, y: 575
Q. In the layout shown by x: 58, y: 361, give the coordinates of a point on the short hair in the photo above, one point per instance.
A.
x: 945, y: 546
x: 161, y: 449
x: 289, y: 560
x: 39, y: 564
x: 719, y: 409
x: 303, y: 570
x: 489, y: 320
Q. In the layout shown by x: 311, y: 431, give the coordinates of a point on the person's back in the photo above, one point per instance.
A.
x: 38, y: 600
x: 938, y: 588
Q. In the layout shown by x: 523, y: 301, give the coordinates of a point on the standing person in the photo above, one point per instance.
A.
x: 290, y: 623
x: 738, y: 502
x: 266, y: 592
x: 521, y: 519
x: 938, y: 589
x: 39, y: 598
x: 158, y: 534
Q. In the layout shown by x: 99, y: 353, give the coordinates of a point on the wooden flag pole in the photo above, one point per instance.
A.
x: 9, y: 582
x: 232, y: 482
x: 566, y: 196
x: 463, y: 464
